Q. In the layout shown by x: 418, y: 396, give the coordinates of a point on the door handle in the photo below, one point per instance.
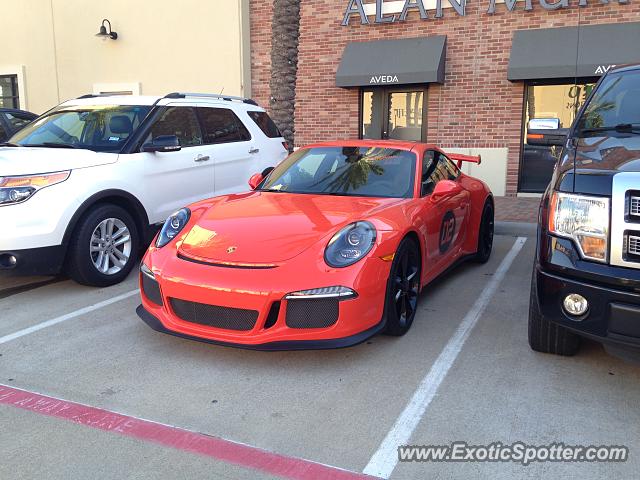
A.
x: 202, y: 158
x: 253, y: 150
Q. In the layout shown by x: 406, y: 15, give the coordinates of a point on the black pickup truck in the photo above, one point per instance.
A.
x: 586, y: 277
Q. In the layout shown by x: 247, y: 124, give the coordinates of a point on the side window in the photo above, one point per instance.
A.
x: 265, y: 123
x: 452, y: 169
x: 436, y: 167
x: 429, y: 173
x: 221, y: 125
x: 17, y: 120
x: 181, y: 122
x: 3, y: 133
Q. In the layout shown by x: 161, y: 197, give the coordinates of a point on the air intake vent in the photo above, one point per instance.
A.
x: 227, y: 318
x: 312, y: 313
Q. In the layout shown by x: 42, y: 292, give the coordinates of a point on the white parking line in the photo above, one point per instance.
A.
x: 385, y: 459
x: 68, y: 316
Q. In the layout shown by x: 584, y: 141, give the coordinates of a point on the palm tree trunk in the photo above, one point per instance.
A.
x: 285, y: 31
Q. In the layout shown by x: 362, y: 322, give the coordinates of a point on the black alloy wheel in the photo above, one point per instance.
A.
x: 403, y: 288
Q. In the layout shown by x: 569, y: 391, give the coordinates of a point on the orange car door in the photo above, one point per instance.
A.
x: 444, y: 219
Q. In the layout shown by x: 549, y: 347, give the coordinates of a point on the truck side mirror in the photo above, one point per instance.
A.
x: 547, y: 137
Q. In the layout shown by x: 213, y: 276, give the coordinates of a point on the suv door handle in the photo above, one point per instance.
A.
x: 202, y: 158
x: 253, y: 150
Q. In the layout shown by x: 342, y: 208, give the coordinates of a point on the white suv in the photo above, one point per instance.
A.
x: 82, y: 187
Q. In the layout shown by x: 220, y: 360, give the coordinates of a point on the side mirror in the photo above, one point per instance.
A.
x: 255, y: 180
x: 445, y: 188
x: 163, y: 143
x: 547, y: 137
x: 543, y: 124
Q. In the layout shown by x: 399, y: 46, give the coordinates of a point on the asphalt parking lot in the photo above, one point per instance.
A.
x: 463, y: 373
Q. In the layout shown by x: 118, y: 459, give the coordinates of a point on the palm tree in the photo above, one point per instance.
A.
x: 285, y: 32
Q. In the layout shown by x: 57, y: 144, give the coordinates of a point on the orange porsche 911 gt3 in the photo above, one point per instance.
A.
x: 327, y: 249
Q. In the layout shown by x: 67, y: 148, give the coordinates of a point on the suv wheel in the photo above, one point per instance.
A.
x: 545, y: 336
x: 103, y: 248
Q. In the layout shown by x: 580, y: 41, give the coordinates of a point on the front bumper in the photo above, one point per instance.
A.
x: 263, y: 292
x: 32, y: 261
x: 157, y: 325
x: 613, y: 316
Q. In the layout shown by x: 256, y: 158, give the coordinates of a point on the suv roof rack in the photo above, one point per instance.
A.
x: 228, y: 98
x: 96, y: 95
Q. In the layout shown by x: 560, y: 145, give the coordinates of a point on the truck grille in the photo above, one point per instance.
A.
x: 227, y: 318
x: 625, y: 216
x: 634, y: 206
x: 633, y: 245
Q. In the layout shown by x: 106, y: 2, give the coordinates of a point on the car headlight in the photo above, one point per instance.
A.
x: 19, y: 189
x: 583, y: 219
x: 173, y: 226
x: 350, y: 244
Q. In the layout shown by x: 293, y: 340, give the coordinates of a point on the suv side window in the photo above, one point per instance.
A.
x: 265, y: 123
x: 221, y: 125
x: 181, y: 122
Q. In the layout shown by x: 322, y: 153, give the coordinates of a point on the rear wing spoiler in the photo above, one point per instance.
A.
x: 459, y: 158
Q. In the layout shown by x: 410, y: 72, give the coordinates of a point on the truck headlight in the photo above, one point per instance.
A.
x: 19, y: 189
x: 585, y: 220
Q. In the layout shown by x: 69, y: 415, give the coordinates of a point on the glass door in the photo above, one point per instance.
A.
x: 393, y: 113
x: 546, y: 106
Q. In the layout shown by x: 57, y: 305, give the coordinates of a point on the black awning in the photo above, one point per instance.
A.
x: 393, y: 62
x: 567, y: 52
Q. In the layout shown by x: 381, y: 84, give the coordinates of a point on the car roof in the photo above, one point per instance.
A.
x: 17, y: 110
x: 398, y: 144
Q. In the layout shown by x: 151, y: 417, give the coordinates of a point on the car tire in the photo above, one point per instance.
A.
x: 403, y: 289
x: 104, y: 247
x: 545, y: 336
x: 485, y: 234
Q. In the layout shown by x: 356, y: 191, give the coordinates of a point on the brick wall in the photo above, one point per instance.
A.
x: 477, y: 107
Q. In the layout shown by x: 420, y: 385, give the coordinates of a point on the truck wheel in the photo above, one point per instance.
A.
x: 485, y: 234
x: 545, y: 336
x: 403, y: 288
x: 104, y: 247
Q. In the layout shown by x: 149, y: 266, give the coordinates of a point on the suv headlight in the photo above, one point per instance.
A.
x: 350, y: 244
x: 21, y: 188
x: 173, y: 226
x: 583, y: 219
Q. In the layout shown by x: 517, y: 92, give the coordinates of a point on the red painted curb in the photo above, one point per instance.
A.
x: 173, y: 437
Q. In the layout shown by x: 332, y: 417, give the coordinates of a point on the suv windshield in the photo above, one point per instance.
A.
x: 615, y: 106
x: 103, y: 128
x: 349, y: 171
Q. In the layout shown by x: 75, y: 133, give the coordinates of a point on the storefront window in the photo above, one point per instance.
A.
x: 396, y: 114
x: 9, y: 91
x: 547, y: 106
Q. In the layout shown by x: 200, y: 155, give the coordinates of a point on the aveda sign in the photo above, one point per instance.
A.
x: 392, y: 11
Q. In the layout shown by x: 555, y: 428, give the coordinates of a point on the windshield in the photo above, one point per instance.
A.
x: 103, y: 128
x: 349, y: 171
x: 615, y: 105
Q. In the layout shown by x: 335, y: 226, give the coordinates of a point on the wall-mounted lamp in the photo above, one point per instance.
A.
x: 104, y: 33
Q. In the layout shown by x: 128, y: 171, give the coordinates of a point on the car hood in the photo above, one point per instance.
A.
x: 265, y: 227
x: 613, y: 153
x: 35, y: 160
